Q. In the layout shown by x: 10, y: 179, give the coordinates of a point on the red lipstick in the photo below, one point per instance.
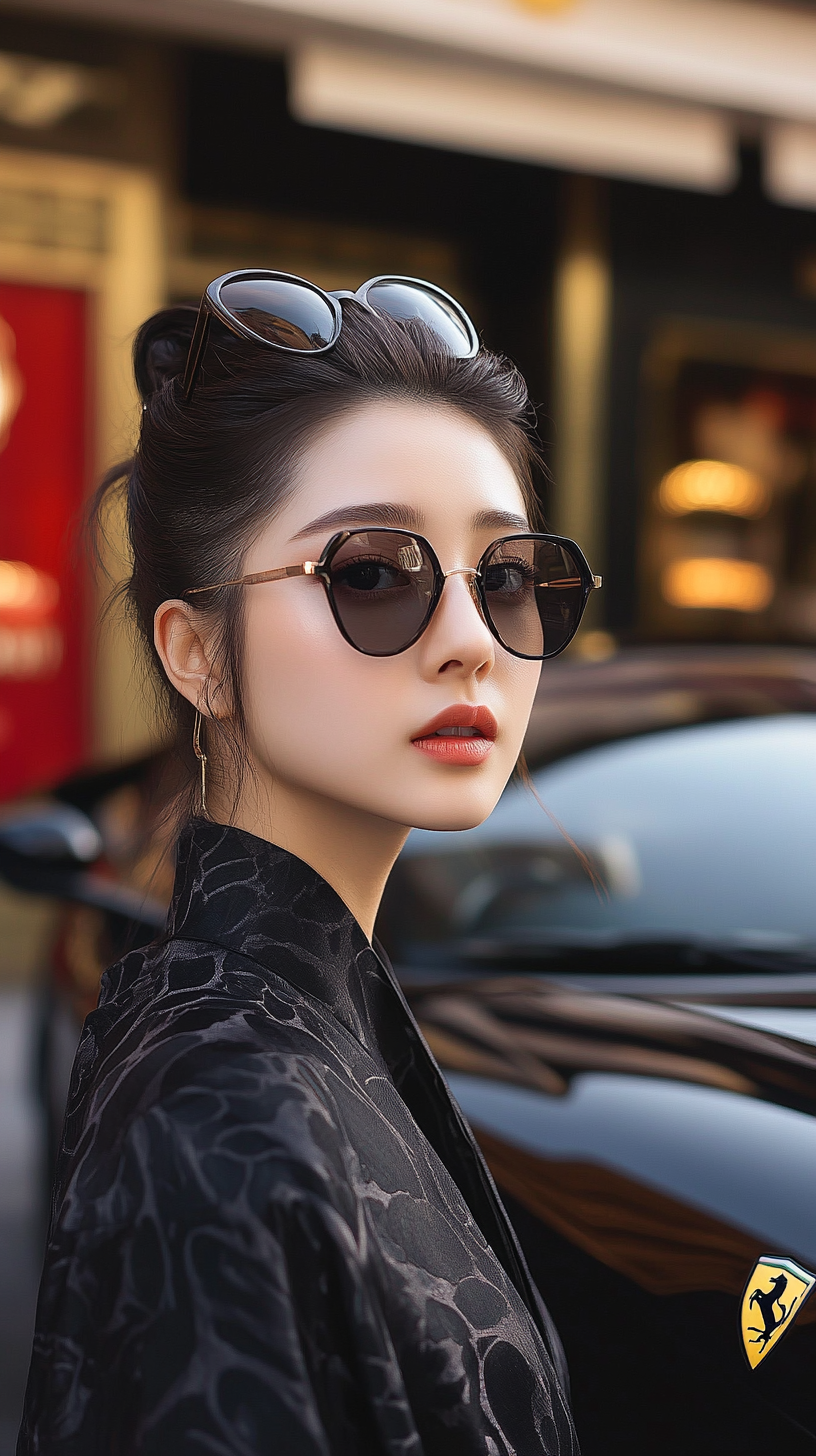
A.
x: 458, y: 735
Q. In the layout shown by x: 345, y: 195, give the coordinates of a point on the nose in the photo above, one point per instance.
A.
x: 458, y: 642
x: 471, y: 572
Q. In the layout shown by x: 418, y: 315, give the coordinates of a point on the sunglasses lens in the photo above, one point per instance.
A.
x: 281, y: 311
x: 535, y: 595
x: 382, y: 586
x: 404, y: 300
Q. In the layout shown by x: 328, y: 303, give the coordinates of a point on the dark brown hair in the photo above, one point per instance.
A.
x: 207, y: 475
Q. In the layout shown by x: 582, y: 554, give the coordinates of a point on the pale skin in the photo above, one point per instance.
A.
x: 337, y: 778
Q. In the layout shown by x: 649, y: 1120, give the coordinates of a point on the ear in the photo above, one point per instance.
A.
x: 183, y: 643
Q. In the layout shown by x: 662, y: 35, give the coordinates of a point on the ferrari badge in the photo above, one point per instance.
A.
x: 773, y: 1297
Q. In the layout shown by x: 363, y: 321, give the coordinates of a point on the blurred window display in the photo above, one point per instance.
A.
x: 42, y: 484
x: 728, y: 540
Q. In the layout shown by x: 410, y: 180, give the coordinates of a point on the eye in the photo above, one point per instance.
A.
x: 508, y: 578
x: 368, y: 574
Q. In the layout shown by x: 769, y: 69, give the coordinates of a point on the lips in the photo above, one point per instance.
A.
x: 461, y: 734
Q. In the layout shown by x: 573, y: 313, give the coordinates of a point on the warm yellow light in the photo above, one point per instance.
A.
x: 24, y: 589
x: 721, y: 582
x: 713, y: 485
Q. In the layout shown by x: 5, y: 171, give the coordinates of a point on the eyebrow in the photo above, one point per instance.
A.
x: 405, y: 517
x: 498, y: 521
x: 376, y: 513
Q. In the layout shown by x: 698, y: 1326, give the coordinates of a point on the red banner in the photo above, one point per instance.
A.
x: 44, y: 595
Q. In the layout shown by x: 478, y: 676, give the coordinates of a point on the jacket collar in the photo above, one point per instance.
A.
x: 247, y: 895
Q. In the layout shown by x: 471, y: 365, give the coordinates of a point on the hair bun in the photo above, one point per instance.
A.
x: 161, y: 347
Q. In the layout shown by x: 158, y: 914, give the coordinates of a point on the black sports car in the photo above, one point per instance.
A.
x: 618, y: 973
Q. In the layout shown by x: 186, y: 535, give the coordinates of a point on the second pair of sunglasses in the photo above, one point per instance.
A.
x: 284, y: 312
x: 384, y: 586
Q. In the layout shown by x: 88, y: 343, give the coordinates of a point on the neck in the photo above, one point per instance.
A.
x: 353, y: 850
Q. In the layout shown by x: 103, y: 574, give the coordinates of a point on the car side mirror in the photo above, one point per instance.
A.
x: 48, y: 832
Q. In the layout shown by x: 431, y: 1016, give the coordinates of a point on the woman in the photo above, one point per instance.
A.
x: 272, y: 1229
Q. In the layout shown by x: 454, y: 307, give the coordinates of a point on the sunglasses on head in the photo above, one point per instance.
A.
x: 282, y: 311
x: 384, y: 586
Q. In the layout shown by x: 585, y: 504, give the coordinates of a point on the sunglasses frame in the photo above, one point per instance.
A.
x: 322, y: 569
x: 212, y: 306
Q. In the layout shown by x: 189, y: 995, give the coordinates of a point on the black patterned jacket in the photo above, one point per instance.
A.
x: 272, y: 1229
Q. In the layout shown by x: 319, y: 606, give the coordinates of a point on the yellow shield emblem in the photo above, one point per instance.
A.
x: 773, y: 1297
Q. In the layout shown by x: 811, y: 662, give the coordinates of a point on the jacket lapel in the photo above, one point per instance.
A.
x: 247, y: 895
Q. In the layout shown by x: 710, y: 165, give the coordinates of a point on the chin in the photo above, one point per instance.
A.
x: 454, y: 811
x: 449, y: 823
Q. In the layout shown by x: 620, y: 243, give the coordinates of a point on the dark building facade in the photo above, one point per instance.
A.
x: 668, y: 333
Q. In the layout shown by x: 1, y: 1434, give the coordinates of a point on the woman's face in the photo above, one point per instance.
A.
x: 325, y: 719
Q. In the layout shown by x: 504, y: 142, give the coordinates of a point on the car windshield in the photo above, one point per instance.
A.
x: 705, y: 833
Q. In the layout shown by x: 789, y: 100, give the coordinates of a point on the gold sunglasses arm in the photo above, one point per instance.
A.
x: 596, y: 583
x: 306, y: 568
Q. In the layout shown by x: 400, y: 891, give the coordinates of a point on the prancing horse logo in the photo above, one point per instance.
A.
x: 773, y: 1297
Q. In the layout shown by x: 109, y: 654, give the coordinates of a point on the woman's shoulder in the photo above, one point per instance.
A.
x: 196, y: 1046
x: 176, y: 966
x: 194, y: 1002
x: 175, y: 988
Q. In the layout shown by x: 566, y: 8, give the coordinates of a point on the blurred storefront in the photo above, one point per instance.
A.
x: 622, y: 192
x: 81, y: 262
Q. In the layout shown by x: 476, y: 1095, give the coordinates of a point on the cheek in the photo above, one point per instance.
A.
x: 310, y: 698
x: 519, y: 680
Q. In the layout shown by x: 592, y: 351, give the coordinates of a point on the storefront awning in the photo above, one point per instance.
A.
x: 474, y: 109
x: 654, y: 89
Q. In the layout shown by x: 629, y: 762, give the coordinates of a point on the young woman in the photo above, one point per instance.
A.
x: 272, y: 1229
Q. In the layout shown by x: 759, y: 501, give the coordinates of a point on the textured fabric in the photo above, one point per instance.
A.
x: 272, y: 1231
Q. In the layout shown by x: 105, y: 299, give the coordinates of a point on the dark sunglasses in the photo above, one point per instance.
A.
x: 384, y: 586
x: 282, y: 311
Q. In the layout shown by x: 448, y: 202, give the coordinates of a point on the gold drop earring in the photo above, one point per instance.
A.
x: 202, y: 758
